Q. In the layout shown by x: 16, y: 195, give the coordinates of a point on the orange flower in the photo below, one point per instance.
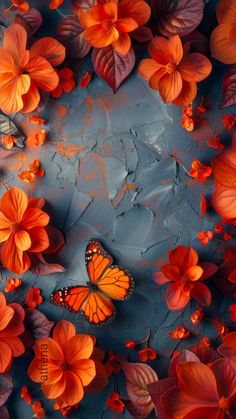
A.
x: 229, y: 121
x: 54, y: 4
x: 66, y: 82
x: 34, y: 170
x: 68, y: 367
x: 188, y: 123
x: 115, y: 403
x: 8, y: 141
x: 205, y: 236
x: 38, y: 410
x: 173, y: 71
x: 187, y: 277
x: 40, y: 137
x: 12, y: 284
x: 34, y: 298
x: 202, y: 391
x: 197, y: 316
x: 86, y: 79
x: 21, y: 229
x: 179, y: 333
x: 146, y: 354
x: 11, y: 326
x: 36, y: 120
x: 130, y: 344
x: 222, y: 40
x: 215, y: 143
x: 200, y: 171
x: 110, y: 22
x: 21, y: 5
x: 24, y: 72
x: 25, y: 395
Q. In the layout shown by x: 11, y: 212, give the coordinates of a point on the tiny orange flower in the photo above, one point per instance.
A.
x: 86, y: 79
x: 229, y: 121
x: 146, y: 354
x: 188, y: 123
x: 66, y: 82
x: 38, y: 138
x: 188, y: 110
x: 197, y: 316
x: 21, y: 5
x: 34, y: 297
x: 38, y: 410
x: 26, y: 176
x: 8, y: 141
x: 200, y: 171
x: 25, y: 395
x: 205, y: 236
x: 215, y: 143
x: 130, y: 344
x: 115, y: 403
x: 179, y: 333
x: 34, y: 170
x: 12, y: 284
x: 54, y: 4
x: 36, y: 120
x: 203, y: 205
x: 219, y: 228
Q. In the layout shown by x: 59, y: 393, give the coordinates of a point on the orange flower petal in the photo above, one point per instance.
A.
x: 22, y: 240
x: 6, y: 314
x: 176, y: 296
x: 98, y: 13
x: 39, y: 239
x: 5, y: 228
x: 155, y: 79
x: 50, y: 49
x: 123, y: 44
x: 74, y: 391
x: 16, y: 345
x: 38, y: 368
x: 201, y: 294
x: 166, y: 51
x: 14, y: 203
x: 99, y: 37
x: 139, y: 10
x: 195, y: 67
x: 80, y: 347
x: 5, y: 357
x: 10, y: 99
x: 183, y: 257
x: 187, y: 94
x: 3, y: 302
x: 148, y: 67
x: 226, y: 12
x: 171, y: 272
x: 126, y: 24
x: 63, y: 332
x: 35, y: 217
x: 55, y: 390
x: 14, y: 41
x: 14, y: 259
x: 86, y: 370
x: 222, y: 43
x: 7, y: 66
x: 170, y: 86
x: 36, y: 203
x: 42, y: 73
x: 54, y: 351
x: 31, y: 99
x: 194, y: 273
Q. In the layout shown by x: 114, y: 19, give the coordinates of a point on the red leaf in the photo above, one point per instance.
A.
x: 138, y: 376
x: 69, y: 34
x: 6, y: 387
x: 30, y: 20
x: 178, y: 16
x: 156, y: 390
x: 198, y: 42
x: 37, y: 324
x: 4, y: 414
x: 183, y: 356
x: 229, y: 88
x: 56, y: 240
x: 142, y: 34
x: 111, y: 66
x: 221, y: 278
x: 209, y: 269
x: 39, y: 266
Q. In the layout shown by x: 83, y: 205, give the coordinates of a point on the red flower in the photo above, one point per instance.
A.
x: 229, y: 121
x: 25, y: 395
x: 8, y: 141
x: 12, y: 284
x: 115, y: 403
x: 66, y: 82
x: 86, y: 79
x: 113, y: 364
x: 203, y: 391
x: 187, y: 278
x: 38, y: 410
x: 130, y: 344
x: 188, y: 123
x: 200, y: 171
x: 197, y: 316
x: 215, y: 143
x: 54, y: 4
x: 146, y: 354
x: 34, y: 298
x: 179, y: 333
x: 205, y: 236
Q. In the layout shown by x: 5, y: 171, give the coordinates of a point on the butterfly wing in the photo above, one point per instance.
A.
x: 71, y: 298
x: 97, y: 260
x: 98, y: 308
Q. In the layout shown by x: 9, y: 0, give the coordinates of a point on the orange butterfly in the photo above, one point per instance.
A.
x: 106, y: 282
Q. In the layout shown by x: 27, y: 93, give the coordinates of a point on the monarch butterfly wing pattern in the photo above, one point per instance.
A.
x: 70, y: 298
x: 116, y: 283
x: 98, y: 308
x: 97, y: 260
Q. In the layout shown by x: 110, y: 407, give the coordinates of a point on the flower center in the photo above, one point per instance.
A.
x: 224, y: 403
x: 170, y: 68
x: 15, y: 227
x: 108, y: 24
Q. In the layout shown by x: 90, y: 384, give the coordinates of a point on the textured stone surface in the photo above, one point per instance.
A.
x: 98, y: 143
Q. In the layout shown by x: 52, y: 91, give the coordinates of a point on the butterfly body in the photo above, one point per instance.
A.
x: 107, y: 282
